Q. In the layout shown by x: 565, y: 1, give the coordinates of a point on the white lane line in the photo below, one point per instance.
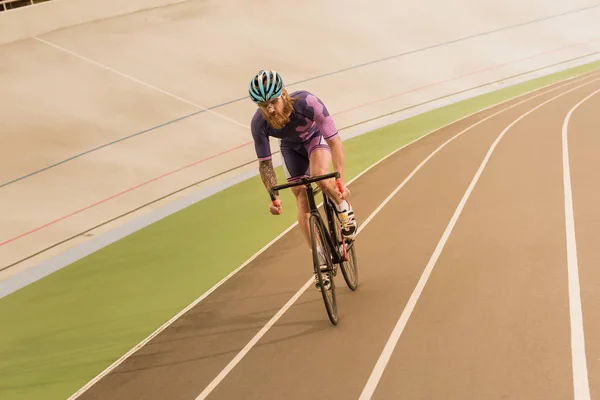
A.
x: 213, y: 384
x: 386, y: 354
x: 119, y: 361
x: 131, y: 78
x: 580, y: 373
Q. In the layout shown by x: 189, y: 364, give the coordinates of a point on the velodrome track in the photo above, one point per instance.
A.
x: 149, y: 104
x: 478, y: 279
x: 102, y: 119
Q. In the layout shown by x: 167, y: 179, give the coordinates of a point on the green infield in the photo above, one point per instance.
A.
x: 61, y: 331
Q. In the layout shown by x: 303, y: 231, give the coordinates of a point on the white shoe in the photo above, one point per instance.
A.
x: 349, y: 225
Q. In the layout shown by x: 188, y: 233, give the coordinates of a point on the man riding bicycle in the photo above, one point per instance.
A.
x: 308, y: 140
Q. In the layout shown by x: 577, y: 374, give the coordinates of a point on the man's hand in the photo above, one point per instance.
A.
x: 276, y: 208
x: 268, y: 177
x: 344, y: 192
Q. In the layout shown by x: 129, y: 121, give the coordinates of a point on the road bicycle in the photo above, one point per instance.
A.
x: 335, y: 249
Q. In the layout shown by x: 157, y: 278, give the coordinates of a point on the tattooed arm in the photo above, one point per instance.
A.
x: 269, y: 180
x: 265, y: 163
x: 267, y: 174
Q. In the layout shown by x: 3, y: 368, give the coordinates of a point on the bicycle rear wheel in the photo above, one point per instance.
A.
x: 319, y: 240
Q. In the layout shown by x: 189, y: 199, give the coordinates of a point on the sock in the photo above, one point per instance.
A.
x: 342, y: 207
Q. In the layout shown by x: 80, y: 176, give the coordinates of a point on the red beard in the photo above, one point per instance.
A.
x: 277, y: 121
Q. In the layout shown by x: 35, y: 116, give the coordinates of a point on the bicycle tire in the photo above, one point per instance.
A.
x: 349, y: 268
x: 318, y: 236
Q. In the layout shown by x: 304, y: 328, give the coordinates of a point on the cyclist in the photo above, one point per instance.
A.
x: 308, y: 141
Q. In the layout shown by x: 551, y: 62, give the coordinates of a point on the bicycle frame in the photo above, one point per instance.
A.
x: 338, y: 257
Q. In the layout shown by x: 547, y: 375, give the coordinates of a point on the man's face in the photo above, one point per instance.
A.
x: 274, y: 111
x: 273, y: 106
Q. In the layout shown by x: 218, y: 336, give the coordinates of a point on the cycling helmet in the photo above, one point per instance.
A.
x: 266, y: 85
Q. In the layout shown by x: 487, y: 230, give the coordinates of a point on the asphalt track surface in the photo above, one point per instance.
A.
x: 472, y: 252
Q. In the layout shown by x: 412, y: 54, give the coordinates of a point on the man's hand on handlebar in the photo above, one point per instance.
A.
x: 276, y: 207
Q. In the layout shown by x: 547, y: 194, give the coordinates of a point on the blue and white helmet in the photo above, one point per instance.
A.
x: 266, y: 85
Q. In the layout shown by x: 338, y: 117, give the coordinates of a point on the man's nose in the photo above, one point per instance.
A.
x: 270, y: 108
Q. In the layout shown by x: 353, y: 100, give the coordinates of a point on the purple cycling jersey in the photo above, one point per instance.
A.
x: 309, y: 120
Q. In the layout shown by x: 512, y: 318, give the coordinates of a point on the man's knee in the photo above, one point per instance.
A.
x: 319, y: 162
x: 301, y: 199
x: 318, y: 170
x: 319, y: 165
x: 298, y: 191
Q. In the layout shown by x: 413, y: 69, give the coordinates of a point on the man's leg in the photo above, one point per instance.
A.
x: 296, y: 166
x: 320, y: 159
x: 303, y: 211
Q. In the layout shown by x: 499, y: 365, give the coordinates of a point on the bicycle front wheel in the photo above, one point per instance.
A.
x: 349, y: 268
x: 319, y: 245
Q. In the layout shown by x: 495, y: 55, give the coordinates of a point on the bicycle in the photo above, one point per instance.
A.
x: 336, y: 250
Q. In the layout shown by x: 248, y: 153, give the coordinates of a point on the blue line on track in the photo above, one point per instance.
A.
x: 295, y: 83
